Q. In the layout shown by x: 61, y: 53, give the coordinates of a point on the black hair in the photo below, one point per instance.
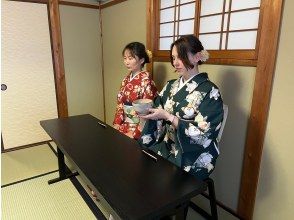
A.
x: 184, y: 45
x: 137, y: 49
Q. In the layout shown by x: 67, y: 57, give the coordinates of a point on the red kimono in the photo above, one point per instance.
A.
x: 140, y: 86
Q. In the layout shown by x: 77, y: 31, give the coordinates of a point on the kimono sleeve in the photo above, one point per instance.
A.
x: 153, y: 131
x: 119, y: 115
x: 201, y: 132
x: 150, y: 91
x: 119, y: 112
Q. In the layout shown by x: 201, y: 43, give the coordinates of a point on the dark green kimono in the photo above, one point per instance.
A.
x: 193, y: 145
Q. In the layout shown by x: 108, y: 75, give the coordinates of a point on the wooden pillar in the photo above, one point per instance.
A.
x: 149, y: 43
x: 268, y: 48
x: 57, y: 57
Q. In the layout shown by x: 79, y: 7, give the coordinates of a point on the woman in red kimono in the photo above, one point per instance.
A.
x: 136, y: 85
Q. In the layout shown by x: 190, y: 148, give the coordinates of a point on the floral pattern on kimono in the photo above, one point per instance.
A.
x: 192, y: 145
x: 132, y: 88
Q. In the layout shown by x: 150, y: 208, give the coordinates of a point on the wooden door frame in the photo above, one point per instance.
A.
x: 265, y: 68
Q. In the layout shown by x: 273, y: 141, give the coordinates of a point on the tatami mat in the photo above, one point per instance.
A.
x: 25, y: 163
x: 102, y: 205
x: 35, y: 199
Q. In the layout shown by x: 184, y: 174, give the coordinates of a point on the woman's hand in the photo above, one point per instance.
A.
x: 156, y: 113
x: 130, y: 134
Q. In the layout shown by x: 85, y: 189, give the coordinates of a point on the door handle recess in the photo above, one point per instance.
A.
x: 3, y: 87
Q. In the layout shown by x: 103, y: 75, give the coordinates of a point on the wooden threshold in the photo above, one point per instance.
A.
x: 25, y: 146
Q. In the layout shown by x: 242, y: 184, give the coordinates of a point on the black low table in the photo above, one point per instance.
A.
x: 135, y: 185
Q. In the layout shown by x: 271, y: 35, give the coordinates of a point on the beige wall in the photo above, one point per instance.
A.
x: 82, y: 60
x: 275, y: 196
x: 122, y: 23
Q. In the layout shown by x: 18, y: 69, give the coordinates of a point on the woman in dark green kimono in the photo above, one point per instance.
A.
x: 187, y: 115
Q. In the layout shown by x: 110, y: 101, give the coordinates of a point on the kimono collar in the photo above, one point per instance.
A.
x: 199, y: 78
x: 182, y: 83
x: 132, y: 76
x: 176, y: 91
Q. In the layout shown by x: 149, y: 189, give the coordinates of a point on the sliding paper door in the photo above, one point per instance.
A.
x: 27, y: 71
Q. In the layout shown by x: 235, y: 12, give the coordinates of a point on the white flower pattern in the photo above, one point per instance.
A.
x: 203, y: 161
x: 189, y: 112
x: 197, y: 136
x: 169, y: 105
x: 146, y: 139
x: 174, y: 88
x: 214, y: 93
x: 191, y: 86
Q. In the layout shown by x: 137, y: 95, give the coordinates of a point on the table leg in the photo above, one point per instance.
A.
x: 182, y: 212
x: 178, y: 213
x: 61, y: 169
x: 61, y: 164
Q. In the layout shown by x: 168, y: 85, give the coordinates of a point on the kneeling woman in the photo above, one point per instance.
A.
x: 184, y: 124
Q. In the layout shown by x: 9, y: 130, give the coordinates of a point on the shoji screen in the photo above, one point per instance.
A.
x: 224, y: 26
x: 176, y: 18
x: 220, y: 25
x: 28, y: 73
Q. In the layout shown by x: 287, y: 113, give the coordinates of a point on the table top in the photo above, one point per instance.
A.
x: 134, y: 185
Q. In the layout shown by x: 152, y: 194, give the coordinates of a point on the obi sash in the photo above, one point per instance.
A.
x: 130, y: 115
